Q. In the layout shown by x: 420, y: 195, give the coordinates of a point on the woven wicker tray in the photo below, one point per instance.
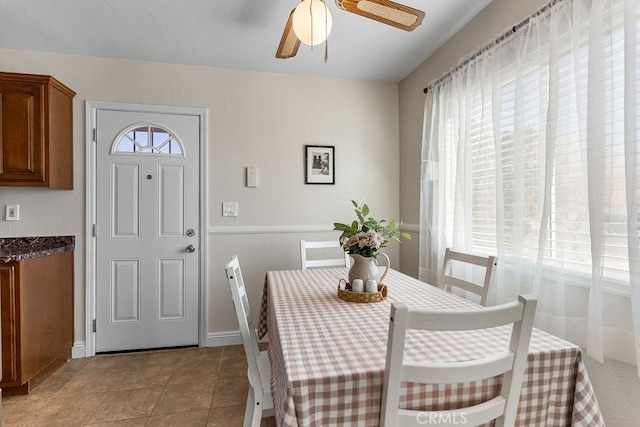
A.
x: 364, y: 297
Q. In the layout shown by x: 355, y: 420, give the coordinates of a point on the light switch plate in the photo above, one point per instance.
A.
x: 229, y: 208
x: 12, y: 213
x: 252, y: 176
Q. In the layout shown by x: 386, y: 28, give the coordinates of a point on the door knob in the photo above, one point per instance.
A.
x: 191, y: 249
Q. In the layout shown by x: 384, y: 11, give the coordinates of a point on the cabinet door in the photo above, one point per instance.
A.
x: 10, y: 327
x: 22, y: 132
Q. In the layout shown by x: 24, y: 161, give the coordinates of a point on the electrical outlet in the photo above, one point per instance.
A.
x: 12, y: 213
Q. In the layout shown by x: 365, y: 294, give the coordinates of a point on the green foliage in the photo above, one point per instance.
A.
x: 387, y: 229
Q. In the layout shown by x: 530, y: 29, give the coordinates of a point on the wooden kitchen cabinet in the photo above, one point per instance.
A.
x: 36, y: 298
x: 36, y: 131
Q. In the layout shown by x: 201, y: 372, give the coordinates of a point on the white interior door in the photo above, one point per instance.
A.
x: 147, y: 203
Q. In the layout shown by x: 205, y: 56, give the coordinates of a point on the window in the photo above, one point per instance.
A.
x: 148, y: 139
x: 514, y: 150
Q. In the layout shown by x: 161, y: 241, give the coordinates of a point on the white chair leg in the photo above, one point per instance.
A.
x: 251, y: 414
x: 257, y: 416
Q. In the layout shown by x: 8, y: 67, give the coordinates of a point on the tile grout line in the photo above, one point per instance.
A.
x: 215, y: 383
x: 164, y: 387
x: 99, y: 403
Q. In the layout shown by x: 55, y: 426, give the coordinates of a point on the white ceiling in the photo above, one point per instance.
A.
x: 229, y: 33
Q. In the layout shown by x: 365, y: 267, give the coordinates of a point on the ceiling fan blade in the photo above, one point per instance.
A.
x: 289, y: 43
x: 385, y: 11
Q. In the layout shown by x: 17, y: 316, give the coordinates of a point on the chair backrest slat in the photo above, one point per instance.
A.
x: 458, y: 372
x: 469, y: 319
x: 305, y: 263
x: 479, y: 415
x: 456, y: 282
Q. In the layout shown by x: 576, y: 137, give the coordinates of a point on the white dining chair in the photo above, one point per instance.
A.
x: 450, y: 279
x: 510, y: 362
x: 332, y: 262
x: 259, y: 400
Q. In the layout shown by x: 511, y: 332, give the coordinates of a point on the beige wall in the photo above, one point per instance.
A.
x: 255, y: 119
x: 493, y: 20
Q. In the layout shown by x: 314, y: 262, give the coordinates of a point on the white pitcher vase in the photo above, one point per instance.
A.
x: 366, y: 268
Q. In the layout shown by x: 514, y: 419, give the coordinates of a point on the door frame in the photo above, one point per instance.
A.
x: 91, y: 109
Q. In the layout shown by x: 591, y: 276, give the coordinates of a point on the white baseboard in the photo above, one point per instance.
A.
x: 221, y: 339
x: 79, y: 350
x: 214, y: 339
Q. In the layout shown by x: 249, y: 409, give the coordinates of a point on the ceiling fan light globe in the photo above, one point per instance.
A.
x: 303, y: 25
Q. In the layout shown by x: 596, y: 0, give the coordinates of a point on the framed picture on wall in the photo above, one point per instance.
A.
x: 319, y: 164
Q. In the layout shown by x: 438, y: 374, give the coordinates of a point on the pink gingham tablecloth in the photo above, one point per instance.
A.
x: 328, y: 357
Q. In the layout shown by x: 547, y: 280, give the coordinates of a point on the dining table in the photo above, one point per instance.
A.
x: 328, y: 356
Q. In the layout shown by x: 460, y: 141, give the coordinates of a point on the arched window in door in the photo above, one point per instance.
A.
x: 148, y: 139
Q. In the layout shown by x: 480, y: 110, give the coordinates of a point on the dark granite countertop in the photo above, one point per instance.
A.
x: 14, y: 249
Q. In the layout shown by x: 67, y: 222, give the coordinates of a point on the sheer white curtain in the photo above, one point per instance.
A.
x: 531, y: 153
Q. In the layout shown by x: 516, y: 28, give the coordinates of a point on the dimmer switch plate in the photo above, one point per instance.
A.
x: 252, y: 176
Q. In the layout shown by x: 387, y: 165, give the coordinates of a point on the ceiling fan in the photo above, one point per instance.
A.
x: 316, y: 13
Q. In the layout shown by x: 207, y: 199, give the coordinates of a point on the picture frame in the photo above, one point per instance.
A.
x: 319, y: 164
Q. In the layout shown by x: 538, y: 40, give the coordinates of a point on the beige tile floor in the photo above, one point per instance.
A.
x: 183, y: 387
